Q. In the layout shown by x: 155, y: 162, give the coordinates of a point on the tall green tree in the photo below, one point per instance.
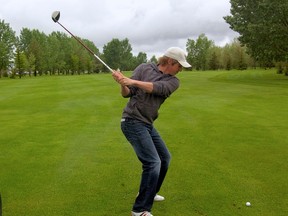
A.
x: 140, y: 58
x: 31, y: 63
x: 198, y: 51
x: 214, y: 59
x: 63, y: 53
x: 35, y: 42
x: 153, y: 59
x: 21, y: 62
x: 118, y: 54
x: 263, y: 27
x: 88, y: 61
x: 7, y: 45
x: 226, y: 60
x: 235, y: 56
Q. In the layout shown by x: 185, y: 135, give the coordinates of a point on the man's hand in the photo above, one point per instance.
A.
x: 125, y: 82
x: 117, y: 75
x: 120, y: 78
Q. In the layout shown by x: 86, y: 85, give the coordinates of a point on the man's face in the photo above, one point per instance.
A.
x: 175, y: 67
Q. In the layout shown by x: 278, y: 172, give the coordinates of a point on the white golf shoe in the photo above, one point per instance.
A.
x: 145, y: 213
x: 159, y: 198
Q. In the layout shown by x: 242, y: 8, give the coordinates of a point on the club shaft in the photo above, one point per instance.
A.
x: 87, y: 48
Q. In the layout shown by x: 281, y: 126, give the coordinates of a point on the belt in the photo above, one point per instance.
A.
x: 128, y: 119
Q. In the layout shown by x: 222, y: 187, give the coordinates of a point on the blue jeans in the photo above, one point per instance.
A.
x: 154, y: 156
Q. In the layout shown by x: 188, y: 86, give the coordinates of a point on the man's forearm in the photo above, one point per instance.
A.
x: 146, y: 86
x: 125, y: 91
x: 125, y: 82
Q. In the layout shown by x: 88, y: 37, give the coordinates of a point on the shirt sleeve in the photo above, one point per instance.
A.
x: 166, y: 87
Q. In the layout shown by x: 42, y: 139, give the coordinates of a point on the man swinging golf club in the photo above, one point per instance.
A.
x: 147, y: 89
x: 149, y: 86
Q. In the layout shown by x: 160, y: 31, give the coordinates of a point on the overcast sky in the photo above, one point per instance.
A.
x: 151, y: 26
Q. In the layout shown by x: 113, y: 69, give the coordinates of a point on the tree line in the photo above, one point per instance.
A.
x: 262, y: 42
x: 35, y: 53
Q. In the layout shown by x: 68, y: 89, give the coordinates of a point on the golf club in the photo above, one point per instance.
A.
x: 56, y: 17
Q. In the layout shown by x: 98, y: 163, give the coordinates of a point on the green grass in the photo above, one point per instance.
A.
x: 63, y: 153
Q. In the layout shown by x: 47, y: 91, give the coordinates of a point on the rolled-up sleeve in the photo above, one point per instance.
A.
x: 165, y: 88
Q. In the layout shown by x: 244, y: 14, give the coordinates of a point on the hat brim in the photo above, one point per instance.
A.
x: 185, y: 64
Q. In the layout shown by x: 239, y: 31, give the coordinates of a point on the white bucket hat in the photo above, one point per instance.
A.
x: 179, y: 55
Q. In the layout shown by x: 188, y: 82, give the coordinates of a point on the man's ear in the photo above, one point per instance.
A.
x: 170, y: 61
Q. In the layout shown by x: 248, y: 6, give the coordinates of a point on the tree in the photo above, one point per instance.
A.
x: 7, y: 44
x: 140, y: 58
x: 226, y: 57
x: 214, y: 62
x: 235, y: 56
x: 21, y: 62
x: 31, y: 63
x: 54, y: 50
x: 263, y: 27
x: 153, y: 59
x: 198, y: 51
x: 35, y: 42
x: 90, y: 63
x: 63, y: 54
x: 118, y: 54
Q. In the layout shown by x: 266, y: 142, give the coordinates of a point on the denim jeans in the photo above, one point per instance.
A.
x: 154, y: 156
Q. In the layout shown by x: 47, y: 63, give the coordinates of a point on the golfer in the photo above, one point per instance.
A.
x: 149, y: 86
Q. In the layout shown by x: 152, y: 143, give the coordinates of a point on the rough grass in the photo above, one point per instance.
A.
x: 62, y: 151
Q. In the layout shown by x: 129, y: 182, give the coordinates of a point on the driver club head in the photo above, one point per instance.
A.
x: 56, y: 16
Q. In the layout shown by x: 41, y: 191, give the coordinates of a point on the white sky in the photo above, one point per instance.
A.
x: 151, y: 26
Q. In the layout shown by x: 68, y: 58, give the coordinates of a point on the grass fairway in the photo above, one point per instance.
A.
x: 63, y: 153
